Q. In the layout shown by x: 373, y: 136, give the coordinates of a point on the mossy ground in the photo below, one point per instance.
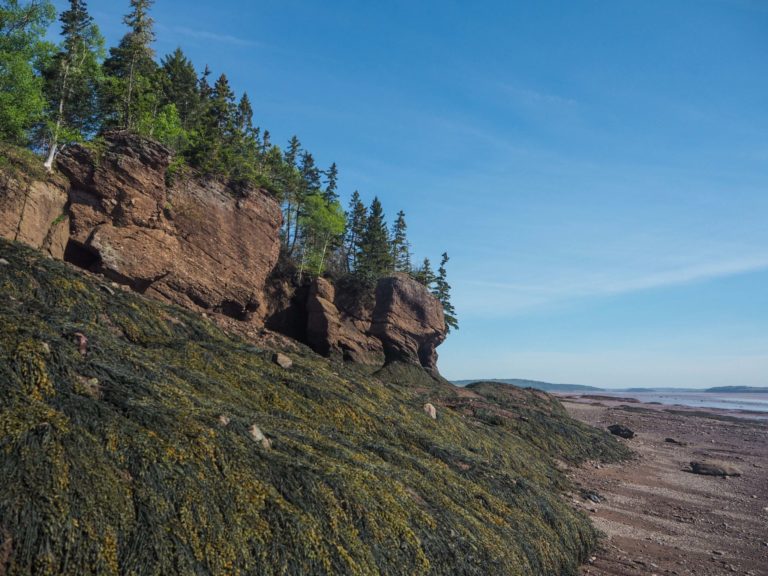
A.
x: 118, y: 461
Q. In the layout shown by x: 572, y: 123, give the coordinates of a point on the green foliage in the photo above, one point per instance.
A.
x: 72, y: 80
x: 424, y: 274
x: 374, y: 258
x: 137, y: 458
x: 22, y: 51
x: 442, y: 291
x: 401, y: 249
x: 322, y: 223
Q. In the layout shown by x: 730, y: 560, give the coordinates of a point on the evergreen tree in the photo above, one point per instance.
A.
x: 424, y: 275
x: 401, y: 250
x: 331, y: 183
x: 374, y: 258
x: 322, y: 225
x: 179, y: 83
x: 22, y: 50
x: 292, y: 152
x: 442, y: 291
x: 131, y: 95
x: 357, y: 217
x: 72, y: 80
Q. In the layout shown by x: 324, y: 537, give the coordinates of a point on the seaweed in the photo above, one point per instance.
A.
x: 135, y: 454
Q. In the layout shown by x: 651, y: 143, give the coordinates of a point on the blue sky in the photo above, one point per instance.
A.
x: 596, y: 169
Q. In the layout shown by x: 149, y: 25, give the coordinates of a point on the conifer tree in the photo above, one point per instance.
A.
x: 401, y: 250
x: 424, y: 275
x: 180, y: 86
x: 374, y: 258
x: 442, y: 291
x: 131, y: 96
x: 331, y: 183
x: 357, y: 217
x: 22, y: 48
x: 72, y: 80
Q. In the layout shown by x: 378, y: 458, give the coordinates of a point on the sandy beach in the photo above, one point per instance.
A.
x: 659, y: 517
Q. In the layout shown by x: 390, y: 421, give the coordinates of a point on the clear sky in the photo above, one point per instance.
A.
x: 596, y: 169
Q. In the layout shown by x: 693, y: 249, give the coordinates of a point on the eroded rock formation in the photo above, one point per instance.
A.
x: 113, y: 209
x: 408, y: 320
x: 192, y: 242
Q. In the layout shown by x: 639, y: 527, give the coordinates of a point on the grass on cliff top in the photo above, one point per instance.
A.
x: 138, y: 458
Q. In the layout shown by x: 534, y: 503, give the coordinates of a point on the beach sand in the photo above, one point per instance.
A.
x: 658, y: 517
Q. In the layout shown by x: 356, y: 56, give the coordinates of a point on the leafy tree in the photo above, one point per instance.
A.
x: 374, y: 259
x: 322, y: 225
x: 22, y: 50
x: 179, y: 83
x: 401, y: 251
x: 72, y: 80
x: 131, y: 92
x: 442, y: 291
x: 357, y: 217
x: 424, y: 274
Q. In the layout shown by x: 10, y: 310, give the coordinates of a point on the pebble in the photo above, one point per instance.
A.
x: 4, y: 262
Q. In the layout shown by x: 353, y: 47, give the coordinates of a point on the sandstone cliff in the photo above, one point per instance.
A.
x: 113, y: 209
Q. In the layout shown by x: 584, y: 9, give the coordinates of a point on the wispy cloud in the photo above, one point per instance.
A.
x: 208, y: 35
x: 515, y: 297
x: 537, y: 97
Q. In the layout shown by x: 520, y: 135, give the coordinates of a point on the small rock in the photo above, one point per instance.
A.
x: 224, y: 420
x: 282, y: 360
x: 46, y: 347
x: 82, y: 343
x: 107, y: 289
x: 718, y: 552
x: 621, y: 431
x: 4, y: 262
x: 713, y: 469
x: 430, y: 410
x: 673, y: 441
x: 258, y: 436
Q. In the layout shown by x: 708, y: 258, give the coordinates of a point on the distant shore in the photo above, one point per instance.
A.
x: 659, y: 517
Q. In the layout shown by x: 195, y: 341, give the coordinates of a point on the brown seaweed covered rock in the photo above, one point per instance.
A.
x: 408, y: 320
x: 192, y: 242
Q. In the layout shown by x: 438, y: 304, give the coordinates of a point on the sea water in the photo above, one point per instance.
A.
x: 726, y: 401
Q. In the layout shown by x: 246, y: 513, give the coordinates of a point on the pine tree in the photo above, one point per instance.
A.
x: 401, y: 250
x: 424, y: 275
x: 292, y: 152
x: 357, y: 217
x: 442, y: 291
x: 22, y: 49
x: 132, y: 93
x: 374, y: 258
x: 178, y: 79
x: 72, y: 80
x: 331, y: 183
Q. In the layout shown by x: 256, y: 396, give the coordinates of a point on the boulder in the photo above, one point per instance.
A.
x: 408, y: 320
x: 34, y: 212
x: 282, y: 360
x: 621, y: 431
x: 192, y: 242
x: 714, y: 469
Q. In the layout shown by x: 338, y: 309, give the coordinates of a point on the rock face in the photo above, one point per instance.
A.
x: 113, y: 208
x: 331, y: 331
x: 191, y: 242
x: 408, y: 321
x: 34, y: 212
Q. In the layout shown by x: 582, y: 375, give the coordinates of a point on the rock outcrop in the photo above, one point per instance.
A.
x: 34, y: 212
x: 408, y: 320
x: 114, y: 208
x: 192, y: 242
x: 330, y: 331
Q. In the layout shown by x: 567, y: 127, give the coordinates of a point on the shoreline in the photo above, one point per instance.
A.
x: 660, y: 518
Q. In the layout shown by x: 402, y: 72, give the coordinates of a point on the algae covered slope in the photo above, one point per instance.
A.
x: 127, y: 447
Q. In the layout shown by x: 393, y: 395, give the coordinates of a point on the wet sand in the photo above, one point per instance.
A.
x: 658, y: 517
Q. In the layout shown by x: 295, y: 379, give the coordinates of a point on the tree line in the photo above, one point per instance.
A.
x: 54, y: 95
